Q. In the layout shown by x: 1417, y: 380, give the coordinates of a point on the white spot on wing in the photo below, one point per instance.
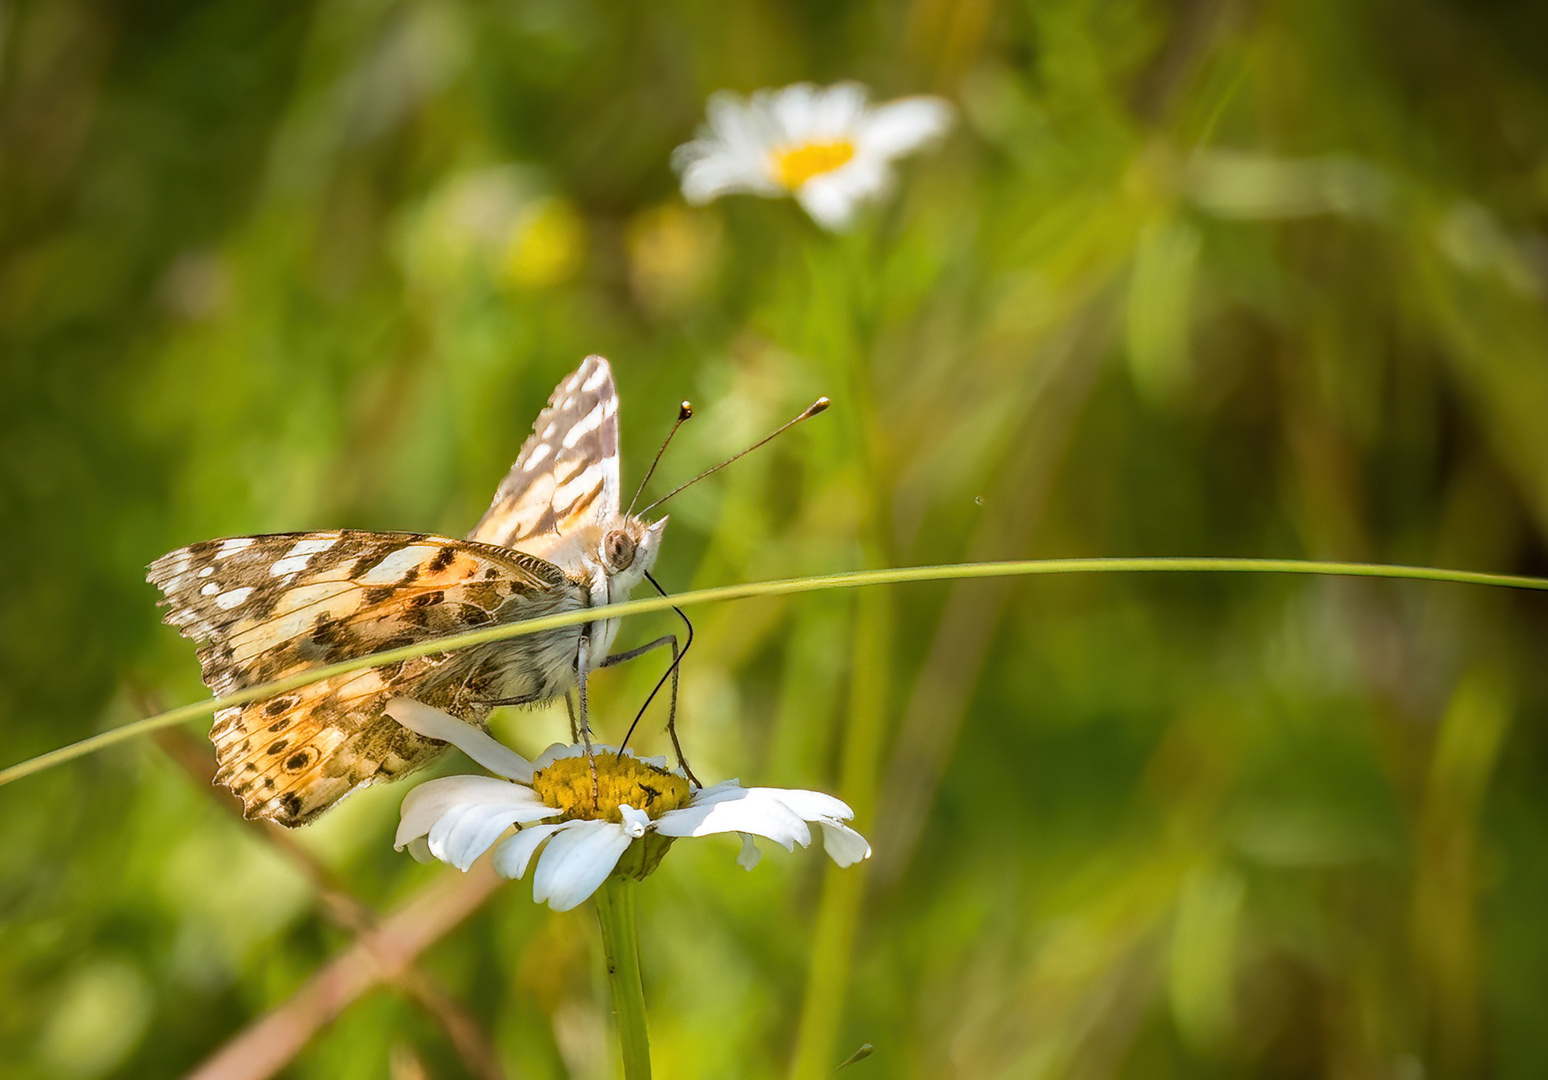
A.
x: 598, y: 377
x: 290, y: 564
x: 391, y: 569
x: 233, y: 545
x: 207, y: 571
x: 583, y: 427
x: 307, y: 596
x: 313, y: 544
x: 539, y: 454
x: 228, y: 600
x: 548, y: 432
x: 583, y: 484
x: 209, y: 590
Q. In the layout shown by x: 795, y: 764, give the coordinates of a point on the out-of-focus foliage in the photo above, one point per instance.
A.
x: 1203, y: 277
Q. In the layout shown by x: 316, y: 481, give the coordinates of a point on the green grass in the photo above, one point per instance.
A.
x: 1186, y: 280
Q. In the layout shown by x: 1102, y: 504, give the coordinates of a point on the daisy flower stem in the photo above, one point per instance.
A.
x: 620, y: 948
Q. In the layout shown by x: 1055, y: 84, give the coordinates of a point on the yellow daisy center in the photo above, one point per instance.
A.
x: 566, y: 785
x: 795, y: 165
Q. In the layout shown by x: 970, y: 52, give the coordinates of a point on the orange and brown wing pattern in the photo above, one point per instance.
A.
x: 268, y: 607
x: 567, y: 472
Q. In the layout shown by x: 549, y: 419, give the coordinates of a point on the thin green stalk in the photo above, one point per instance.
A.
x: 621, y: 950
x: 843, y: 891
x: 851, y: 580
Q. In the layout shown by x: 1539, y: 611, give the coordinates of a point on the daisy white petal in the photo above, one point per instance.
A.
x: 760, y: 811
x: 903, y: 126
x: 838, y: 111
x: 423, y: 806
x: 511, y: 858
x: 710, y: 177
x: 795, y: 110
x: 749, y: 856
x: 465, y: 832
x: 576, y: 862
x: 826, y: 147
x: 619, y: 815
x: 432, y: 723
x: 731, y: 122
x: 843, y: 845
x: 831, y: 199
x: 635, y: 822
x: 811, y: 805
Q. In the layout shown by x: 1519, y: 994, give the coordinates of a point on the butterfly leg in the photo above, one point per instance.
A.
x: 582, y: 663
x: 569, y: 707
x: 672, y: 673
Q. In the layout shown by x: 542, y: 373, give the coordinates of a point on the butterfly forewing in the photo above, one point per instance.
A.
x: 268, y: 607
x: 567, y: 471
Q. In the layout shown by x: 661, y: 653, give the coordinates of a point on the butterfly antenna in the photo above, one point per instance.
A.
x: 820, y: 405
x: 684, y: 412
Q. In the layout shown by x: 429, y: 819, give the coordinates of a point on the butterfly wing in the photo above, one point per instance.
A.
x: 567, y: 472
x: 268, y: 607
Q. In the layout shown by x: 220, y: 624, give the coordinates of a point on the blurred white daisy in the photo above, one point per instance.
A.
x: 825, y: 146
x: 640, y: 808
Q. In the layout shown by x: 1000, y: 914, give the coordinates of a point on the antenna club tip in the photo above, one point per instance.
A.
x: 684, y: 411
x: 820, y: 405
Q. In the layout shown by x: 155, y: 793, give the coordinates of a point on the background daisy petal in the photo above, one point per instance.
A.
x: 727, y: 172
x: 901, y: 127
x: 837, y: 112
x: 830, y: 202
x: 793, y: 109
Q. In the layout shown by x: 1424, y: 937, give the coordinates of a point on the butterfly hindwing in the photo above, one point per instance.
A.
x: 268, y: 607
x: 567, y: 471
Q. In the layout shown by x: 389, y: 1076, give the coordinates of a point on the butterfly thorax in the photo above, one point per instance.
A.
x: 610, y: 557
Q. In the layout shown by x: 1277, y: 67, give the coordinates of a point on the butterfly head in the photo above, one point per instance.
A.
x: 627, y: 552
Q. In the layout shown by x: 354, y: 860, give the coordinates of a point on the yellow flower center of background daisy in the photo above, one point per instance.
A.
x: 566, y: 785
x: 795, y: 165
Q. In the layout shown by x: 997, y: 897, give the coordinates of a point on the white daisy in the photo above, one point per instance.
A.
x: 825, y: 146
x: 641, y: 807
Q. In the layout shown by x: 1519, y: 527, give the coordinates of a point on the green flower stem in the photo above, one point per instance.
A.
x: 621, y: 950
x: 850, y: 580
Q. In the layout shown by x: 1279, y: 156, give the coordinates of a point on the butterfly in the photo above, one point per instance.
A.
x: 263, y: 608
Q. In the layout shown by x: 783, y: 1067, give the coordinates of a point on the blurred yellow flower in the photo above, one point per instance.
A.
x: 672, y: 252
x: 827, y: 147
x: 493, y: 223
x: 545, y: 246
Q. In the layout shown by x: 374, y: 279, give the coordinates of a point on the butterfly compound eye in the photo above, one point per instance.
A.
x: 619, y: 548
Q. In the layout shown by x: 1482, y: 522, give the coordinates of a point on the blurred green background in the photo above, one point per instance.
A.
x: 1209, y: 277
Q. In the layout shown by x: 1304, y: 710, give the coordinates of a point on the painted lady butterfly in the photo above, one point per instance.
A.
x: 268, y: 607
